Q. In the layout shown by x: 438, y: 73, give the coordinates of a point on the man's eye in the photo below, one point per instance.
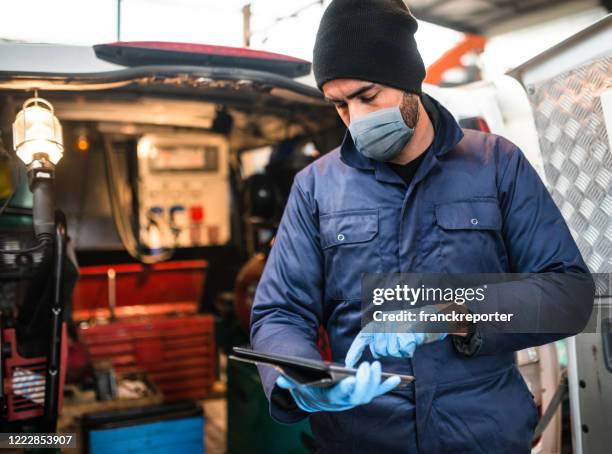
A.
x: 367, y: 99
x: 340, y: 105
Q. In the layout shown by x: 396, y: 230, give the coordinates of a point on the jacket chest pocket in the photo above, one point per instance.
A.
x: 470, y: 237
x: 349, y: 242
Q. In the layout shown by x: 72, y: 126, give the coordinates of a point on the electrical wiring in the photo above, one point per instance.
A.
x: 122, y: 224
x: 42, y: 244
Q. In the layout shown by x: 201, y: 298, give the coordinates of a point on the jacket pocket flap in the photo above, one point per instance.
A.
x: 469, y: 215
x: 348, y: 227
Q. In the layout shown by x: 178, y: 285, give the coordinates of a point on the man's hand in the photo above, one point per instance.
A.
x: 348, y: 393
x: 398, y: 345
x: 403, y: 344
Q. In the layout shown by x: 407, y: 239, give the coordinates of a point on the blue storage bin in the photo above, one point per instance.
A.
x: 152, y: 430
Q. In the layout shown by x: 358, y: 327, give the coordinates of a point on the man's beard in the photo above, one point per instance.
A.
x: 409, y: 107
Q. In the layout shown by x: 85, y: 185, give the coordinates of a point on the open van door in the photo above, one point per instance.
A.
x: 570, y: 91
x: 557, y: 107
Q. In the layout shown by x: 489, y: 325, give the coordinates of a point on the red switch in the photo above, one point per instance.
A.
x: 197, y: 213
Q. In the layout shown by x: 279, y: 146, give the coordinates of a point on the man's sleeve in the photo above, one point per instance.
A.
x: 287, y: 309
x: 537, y: 240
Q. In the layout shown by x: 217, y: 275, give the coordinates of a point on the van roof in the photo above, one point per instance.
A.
x: 25, y: 66
x: 64, y: 59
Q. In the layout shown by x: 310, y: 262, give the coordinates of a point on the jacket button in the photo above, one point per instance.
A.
x: 340, y: 237
x: 474, y: 221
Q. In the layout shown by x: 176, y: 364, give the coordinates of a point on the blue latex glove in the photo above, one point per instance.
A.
x: 344, y: 395
x: 398, y: 345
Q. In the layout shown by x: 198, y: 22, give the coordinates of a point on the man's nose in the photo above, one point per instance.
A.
x: 357, y: 110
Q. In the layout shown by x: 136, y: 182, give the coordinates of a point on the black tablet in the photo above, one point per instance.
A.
x: 305, y: 371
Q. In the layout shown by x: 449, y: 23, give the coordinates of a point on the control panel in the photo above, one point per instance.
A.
x: 183, y: 190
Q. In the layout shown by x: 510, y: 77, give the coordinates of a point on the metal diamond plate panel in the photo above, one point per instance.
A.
x: 577, y: 159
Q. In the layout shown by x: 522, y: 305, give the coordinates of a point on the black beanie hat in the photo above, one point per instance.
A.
x: 369, y: 40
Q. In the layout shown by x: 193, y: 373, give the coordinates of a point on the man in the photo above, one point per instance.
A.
x: 407, y: 191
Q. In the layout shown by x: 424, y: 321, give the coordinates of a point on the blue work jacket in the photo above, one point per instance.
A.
x: 348, y: 215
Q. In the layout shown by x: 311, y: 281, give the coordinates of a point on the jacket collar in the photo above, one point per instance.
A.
x: 447, y: 133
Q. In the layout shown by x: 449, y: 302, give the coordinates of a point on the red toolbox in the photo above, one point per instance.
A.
x: 135, y: 284
x: 177, y: 354
x: 155, y: 328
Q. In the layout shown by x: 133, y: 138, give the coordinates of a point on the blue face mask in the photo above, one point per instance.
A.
x: 381, y: 135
